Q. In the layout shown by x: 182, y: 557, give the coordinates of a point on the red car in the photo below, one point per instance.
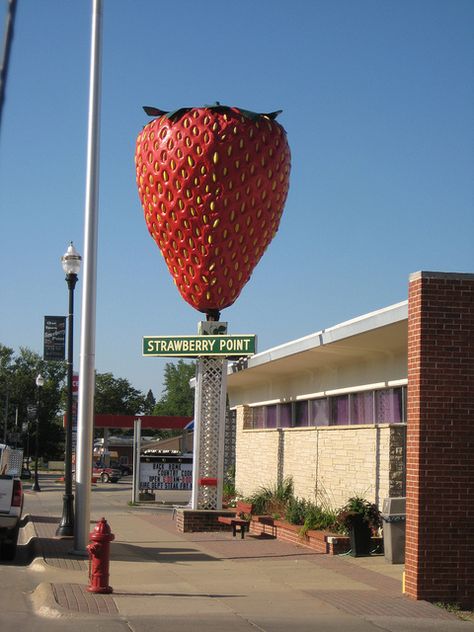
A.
x: 106, y: 474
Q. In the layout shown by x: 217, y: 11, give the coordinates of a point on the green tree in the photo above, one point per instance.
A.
x: 116, y: 396
x: 150, y: 403
x: 178, y: 396
x: 18, y: 390
x: 6, y: 383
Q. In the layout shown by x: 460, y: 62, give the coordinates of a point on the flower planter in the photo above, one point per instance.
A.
x: 318, y: 541
x: 360, y: 537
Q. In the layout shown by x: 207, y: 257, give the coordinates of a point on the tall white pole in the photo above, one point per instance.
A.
x: 85, y: 420
x: 137, y: 440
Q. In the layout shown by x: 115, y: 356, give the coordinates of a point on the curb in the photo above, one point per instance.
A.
x: 45, y: 601
x: 44, y: 604
x: 54, y: 600
x: 28, y: 539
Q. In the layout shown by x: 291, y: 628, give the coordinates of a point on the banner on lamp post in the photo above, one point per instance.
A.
x: 54, y: 348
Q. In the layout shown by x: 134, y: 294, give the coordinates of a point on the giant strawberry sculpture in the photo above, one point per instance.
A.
x: 213, y: 183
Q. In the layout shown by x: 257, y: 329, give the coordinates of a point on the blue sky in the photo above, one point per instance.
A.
x: 377, y: 99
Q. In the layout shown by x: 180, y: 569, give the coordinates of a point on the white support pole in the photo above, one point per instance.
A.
x: 197, y: 436
x: 88, y: 322
x: 137, y: 440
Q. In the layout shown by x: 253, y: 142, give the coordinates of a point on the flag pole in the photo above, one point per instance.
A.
x: 85, y: 420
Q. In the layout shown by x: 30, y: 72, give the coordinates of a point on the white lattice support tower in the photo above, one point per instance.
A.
x: 209, y: 429
x: 229, y: 441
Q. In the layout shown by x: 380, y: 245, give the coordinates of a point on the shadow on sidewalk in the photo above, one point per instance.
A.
x: 122, y: 552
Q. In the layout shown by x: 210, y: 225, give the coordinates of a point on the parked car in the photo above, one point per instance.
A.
x: 106, y: 474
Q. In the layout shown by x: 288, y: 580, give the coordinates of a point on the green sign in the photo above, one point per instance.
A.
x: 194, y: 346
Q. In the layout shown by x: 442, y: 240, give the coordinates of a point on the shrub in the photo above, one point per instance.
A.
x: 296, y: 511
x: 271, y: 500
x: 355, y: 507
x: 229, y: 492
x: 317, y: 518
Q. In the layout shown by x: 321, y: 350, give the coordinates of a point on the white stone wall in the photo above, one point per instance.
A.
x: 257, y: 451
x: 353, y: 461
x: 328, y: 464
x: 300, y: 447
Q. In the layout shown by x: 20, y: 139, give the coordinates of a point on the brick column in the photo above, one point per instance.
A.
x: 439, y: 562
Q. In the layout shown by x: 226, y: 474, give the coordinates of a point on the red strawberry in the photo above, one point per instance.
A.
x: 213, y: 182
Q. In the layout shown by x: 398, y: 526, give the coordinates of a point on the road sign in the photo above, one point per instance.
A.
x: 195, y: 346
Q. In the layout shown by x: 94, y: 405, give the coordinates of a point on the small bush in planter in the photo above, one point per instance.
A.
x: 296, y: 511
x: 358, y: 508
x: 318, y: 519
x: 270, y: 500
x: 361, y: 519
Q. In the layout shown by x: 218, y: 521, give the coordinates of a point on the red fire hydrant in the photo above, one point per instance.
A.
x: 99, y: 558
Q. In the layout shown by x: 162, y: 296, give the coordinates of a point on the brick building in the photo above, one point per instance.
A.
x: 378, y: 406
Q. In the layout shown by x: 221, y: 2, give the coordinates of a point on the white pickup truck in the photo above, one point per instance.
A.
x: 11, y: 500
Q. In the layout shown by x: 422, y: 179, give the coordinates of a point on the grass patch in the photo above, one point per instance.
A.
x: 455, y: 608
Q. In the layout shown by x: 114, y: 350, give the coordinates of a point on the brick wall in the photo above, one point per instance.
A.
x: 189, y: 520
x: 327, y: 464
x: 440, y: 438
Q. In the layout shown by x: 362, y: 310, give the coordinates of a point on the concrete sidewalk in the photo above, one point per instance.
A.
x: 168, y: 581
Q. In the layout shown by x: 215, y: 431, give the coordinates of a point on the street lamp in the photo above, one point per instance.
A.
x: 39, y: 384
x: 71, y: 262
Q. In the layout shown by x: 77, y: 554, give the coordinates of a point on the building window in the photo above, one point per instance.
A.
x: 271, y: 416
x: 319, y: 412
x: 258, y: 417
x: 389, y: 406
x: 285, y: 411
x: 362, y: 408
x: 339, y: 410
x: 301, y: 414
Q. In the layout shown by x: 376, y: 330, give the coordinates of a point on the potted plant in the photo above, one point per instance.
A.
x: 361, y: 519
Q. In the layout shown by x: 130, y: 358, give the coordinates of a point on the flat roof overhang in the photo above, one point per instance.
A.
x: 369, y: 336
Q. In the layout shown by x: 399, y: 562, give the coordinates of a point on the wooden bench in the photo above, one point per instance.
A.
x: 240, y: 520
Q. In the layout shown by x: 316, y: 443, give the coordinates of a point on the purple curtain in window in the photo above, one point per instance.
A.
x: 285, y: 415
x: 271, y: 417
x: 340, y: 410
x: 388, y: 405
x: 362, y: 408
x: 319, y: 412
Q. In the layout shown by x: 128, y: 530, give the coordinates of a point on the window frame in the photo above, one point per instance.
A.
x: 330, y: 401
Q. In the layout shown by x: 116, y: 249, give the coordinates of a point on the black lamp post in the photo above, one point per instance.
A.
x: 39, y: 384
x: 71, y: 263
